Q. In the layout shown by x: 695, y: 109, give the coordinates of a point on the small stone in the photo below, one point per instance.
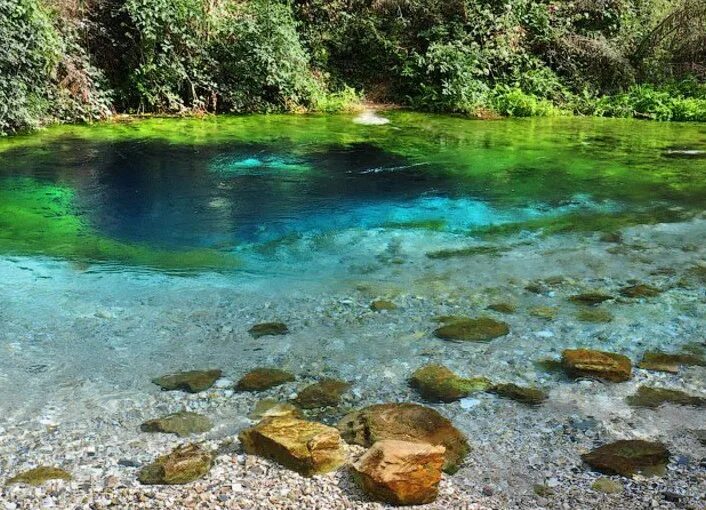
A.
x: 261, y: 379
x: 182, y: 424
x: 648, y: 396
x: 184, y: 464
x: 640, y: 290
x: 306, y: 447
x: 439, y: 384
x: 482, y: 329
x: 269, y: 408
x: 590, y: 298
x: 268, y: 329
x: 665, y: 362
x: 601, y: 365
x: 542, y: 490
x: 325, y: 393
x: 382, y: 304
x: 544, y: 312
x: 612, y: 237
x: 525, y: 395
x: 629, y: 456
x: 400, y: 472
x: 607, y: 486
x: 39, y: 475
x: 594, y: 315
x: 506, y: 308
x: 192, y: 381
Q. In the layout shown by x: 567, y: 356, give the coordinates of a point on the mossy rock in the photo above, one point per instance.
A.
x: 182, y: 424
x: 648, y: 396
x: 640, y: 290
x: 506, y: 308
x: 482, y: 329
x: 40, y: 475
x: 590, y: 298
x: 192, y: 381
x: 325, y: 393
x: 261, y: 379
x: 606, y: 366
x: 607, y: 486
x: 665, y: 362
x: 380, y: 305
x: 523, y: 394
x: 611, y: 237
x: 470, y: 251
x: 184, y: 464
x: 544, y: 312
x: 270, y: 408
x: 437, y: 383
x: 594, y: 315
x: 268, y: 329
x: 542, y: 490
x: 405, y: 422
x: 628, y: 457
x: 549, y: 365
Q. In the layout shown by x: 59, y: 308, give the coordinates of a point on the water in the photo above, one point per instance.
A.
x: 131, y: 249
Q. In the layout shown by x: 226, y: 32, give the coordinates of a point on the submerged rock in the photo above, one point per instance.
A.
x: 191, y: 381
x: 325, y: 393
x: 525, y: 395
x: 439, y: 384
x: 590, y: 298
x: 39, y: 475
x: 629, y: 456
x: 507, y: 308
x: 606, y: 366
x: 544, y: 312
x: 382, y: 304
x: 482, y: 329
x: 261, y: 379
x: 184, y: 464
x: 640, y: 291
x: 269, y: 408
x: 648, y: 396
x: 405, y: 422
x: 306, y: 447
x: 607, y: 486
x: 665, y: 362
x: 400, y: 472
x: 594, y: 315
x: 268, y: 329
x: 182, y: 424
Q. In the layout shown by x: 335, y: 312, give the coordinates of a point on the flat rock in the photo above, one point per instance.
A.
x: 39, y: 475
x: 607, y: 366
x: 523, y: 394
x: 400, y: 472
x: 306, y: 447
x: 544, y: 312
x: 629, y: 456
x: 607, y: 486
x: 269, y: 408
x: 191, y: 381
x: 648, y: 396
x: 590, y: 298
x: 437, y: 383
x: 324, y: 393
x: 380, y: 305
x: 182, y: 424
x: 261, y: 379
x: 640, y: 290
x: 594, y: 315
x: 268, y: 329
x: 405, y: 422
x: 184, y: 464
x: 507, y: 308
x: 665, y: 362
x: 482, y: 329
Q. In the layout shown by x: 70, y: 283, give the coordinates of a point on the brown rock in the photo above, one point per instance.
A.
x: 590, y: 298
x: 482, y: 329
x: 261, y: 379
x: 269, y: 408
x: 380, y: 305
x: 325, y: 393
x: 665, y: 362
x: 525, y: 395
x: 39, y: 475
x: 400, y: 472
x: 640, y: 290
x: 602, y: 365
x: 439, y: 384
x: 184, y: 464
x: 182, y: 424
x: 648, y: 396
x: 627, y: 457
x: 192, y: 381
x: 268, y: 329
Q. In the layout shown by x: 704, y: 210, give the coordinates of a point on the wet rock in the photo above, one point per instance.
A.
x: 523, y: 394
x: 629, y: 456
x: 182, y: 424
x: 405, y: 422
x: 640, y: 290
x: 184, y: 464
x: 549, y: 365
x: 192, y: 381
x: 268, y: 329
x: 306, y: 447
x: 482, y: 329
x: 542, y: 490
x: 507, y: 308
x: 39, y: 475
x: 261, y: 379
x: 601, y: 365
x: 607, y: 486
x: 594, y: 315
x: 325, y: 393
x: 544, y: 312
x: 382, y: 304
x: 664, y: 362
x: 439, y: 384
x: 700, y: 436
x: 648, y: 396
x: 612, y: 237
x: 269, y: 408
x: 400, y: 472
x: 590, y: 298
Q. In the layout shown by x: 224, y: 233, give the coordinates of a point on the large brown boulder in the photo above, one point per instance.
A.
x: 629, y: 456
x: 606, y: 366
x: 405, y: 422
x: 184, y: 464
x: 400, y: 472
x: 306, y: 447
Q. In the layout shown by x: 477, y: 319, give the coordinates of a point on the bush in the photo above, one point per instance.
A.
x: 513, y: 102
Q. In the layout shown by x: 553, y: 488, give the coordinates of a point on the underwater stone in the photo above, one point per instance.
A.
x: 406, y: 422
x: 594, y: 315
x: 191, y: 381
x: 523, y: 394
x: 612, y: 237
x: 39, y: 475
x: 439, y: 384
x: 481, y: 329
x: 648, y: 396
x: 268, y: 329
x: 184, y: 464
x: 306, y: 447
x: 400, y: 472
x: 607, y: 486
x: 507, y: 308
x: 590, y: 298
x: 640, y: 291
x: 664, y: 362
x: 269, y: 408
x: 544, y: 312
x: 261, y: 379
x: 627, y: 457
x: 325, y: 393
x: 182, y: 424
x: 382, y: 304
x: 602, y: 365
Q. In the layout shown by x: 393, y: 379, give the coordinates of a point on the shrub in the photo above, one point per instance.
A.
x: 513, y: 102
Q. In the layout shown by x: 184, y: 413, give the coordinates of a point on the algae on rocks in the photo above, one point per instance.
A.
x: 665, y: 362
x: 437, y: 383
x: 182, y: 424
x: 39, y: 475
x: 324, y: 393
x: 628, y: 457
x: 465, y: 329
x: 184, y: 464
x: 523, y: 394
x: 268, y: 329
x: 192, y: 381
x: 590, y: 298
x: 261, y: 379
x: 648, y: 396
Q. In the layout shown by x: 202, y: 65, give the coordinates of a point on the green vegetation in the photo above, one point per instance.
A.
x: 80, y: 61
